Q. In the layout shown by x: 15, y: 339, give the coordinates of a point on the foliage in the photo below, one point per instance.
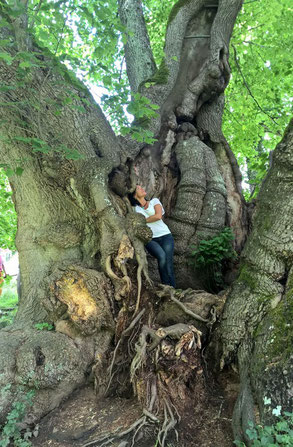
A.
x: 278, y: 434
x: 44, y: 326
x: 143, y: 111
x: 214, y: 250
x: 11, y: 431
x: 9, y: 296
x: 208, y: 256
x: 87, y: 37
x: 156, y: 16
x: 8, y: 300
x: 258, y: 103
x: 7, y: 214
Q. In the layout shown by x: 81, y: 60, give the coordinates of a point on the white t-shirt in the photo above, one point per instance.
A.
x: 159, y: 228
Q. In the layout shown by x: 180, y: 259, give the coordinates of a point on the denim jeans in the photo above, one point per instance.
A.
x: 162, y: 248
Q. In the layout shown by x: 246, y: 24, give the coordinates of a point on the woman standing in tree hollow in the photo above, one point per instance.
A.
x: 162, y: 244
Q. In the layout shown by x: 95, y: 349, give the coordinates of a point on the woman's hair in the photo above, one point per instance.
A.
x: 133, y: 200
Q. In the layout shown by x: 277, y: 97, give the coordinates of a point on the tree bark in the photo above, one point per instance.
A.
x: 255, y: 328
x: 63, y: 207
x: 188, y: 87
x: 139, y: 57
x: 82, y: 259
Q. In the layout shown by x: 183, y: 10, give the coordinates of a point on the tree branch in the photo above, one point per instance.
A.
x: 247, y: 86
x: 176, y: 30
x: 20, y: 26
x: 140, y: 63
x: 35, y: 14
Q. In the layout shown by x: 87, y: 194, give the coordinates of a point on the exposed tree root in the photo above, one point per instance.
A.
x: 168, y: 424
x: 168, y: 291
x: 111, y: 437
x: 123, y: 334
x: 147, y: 419
x: 142, y: 268
x: 139, y: 283
x: 163, y: 363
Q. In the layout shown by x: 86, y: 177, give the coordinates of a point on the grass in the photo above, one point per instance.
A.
x: 8, y: 300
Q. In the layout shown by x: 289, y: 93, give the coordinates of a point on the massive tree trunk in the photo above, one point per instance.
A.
x: 191, y: 165
x: 256, y: 326
x: 82, y: 260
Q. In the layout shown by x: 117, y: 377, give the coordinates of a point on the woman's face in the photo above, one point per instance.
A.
x: 139, y: 192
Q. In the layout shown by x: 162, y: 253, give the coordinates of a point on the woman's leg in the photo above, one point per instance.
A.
x: 157, y: 251
x: 167, y: 244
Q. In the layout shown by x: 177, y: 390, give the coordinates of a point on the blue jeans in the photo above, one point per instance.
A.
x: 162, y: 248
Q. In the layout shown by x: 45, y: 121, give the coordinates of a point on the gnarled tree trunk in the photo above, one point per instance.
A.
x: 82, y: 260
x: 256, y: 326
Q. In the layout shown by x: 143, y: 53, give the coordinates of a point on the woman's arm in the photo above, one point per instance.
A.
x: 157, y: 216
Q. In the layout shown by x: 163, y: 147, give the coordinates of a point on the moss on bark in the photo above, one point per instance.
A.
x: 176, y: 8
x: 248, y: 277
x: 159, y: 77
x: 282, y: 317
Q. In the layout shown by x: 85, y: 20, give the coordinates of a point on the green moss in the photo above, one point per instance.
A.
x: 258, y: 331
x: 176, y: 8
x: 282, y: 321
x: 265, y: 223
x: 248, y: 277
x: 159, y: 77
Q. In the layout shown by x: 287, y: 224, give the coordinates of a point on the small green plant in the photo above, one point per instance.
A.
x: 8, y: 302
x: 11, y: 431
x: 44, y: 326
x: 279, y: 434
x: 209, y: 255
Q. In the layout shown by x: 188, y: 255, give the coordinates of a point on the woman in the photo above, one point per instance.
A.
x: 162, y: 244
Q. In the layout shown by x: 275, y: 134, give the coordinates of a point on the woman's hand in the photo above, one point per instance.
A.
x: 157, y: 216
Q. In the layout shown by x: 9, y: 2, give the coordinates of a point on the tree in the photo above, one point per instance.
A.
x: 256, y: 323
x: 81, y: 248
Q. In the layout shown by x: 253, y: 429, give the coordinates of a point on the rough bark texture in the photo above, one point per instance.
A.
x: 256, y: 327
x: 35, y: 360
x: 139, y: 57
x: 68, y: 226
x: 191, y: 166
x: 82, y: 259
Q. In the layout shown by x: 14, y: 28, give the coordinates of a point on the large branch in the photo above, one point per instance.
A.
x: 140, y: 63
x: 195, y: 68
x: 19, y: 23
x: 179, y: 19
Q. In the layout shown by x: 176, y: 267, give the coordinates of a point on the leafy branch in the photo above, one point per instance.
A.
x: 248, y: 87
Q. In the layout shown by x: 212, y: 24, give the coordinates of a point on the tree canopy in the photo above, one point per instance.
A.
x: 258, y: 102
x: 88, y: 38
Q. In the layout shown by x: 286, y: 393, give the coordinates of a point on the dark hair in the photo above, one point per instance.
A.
x: 133, y: 200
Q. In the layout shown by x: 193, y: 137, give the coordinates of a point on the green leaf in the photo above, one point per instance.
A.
x: 19, y: 171
x: 25, y: 64
x: 6, y: 57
